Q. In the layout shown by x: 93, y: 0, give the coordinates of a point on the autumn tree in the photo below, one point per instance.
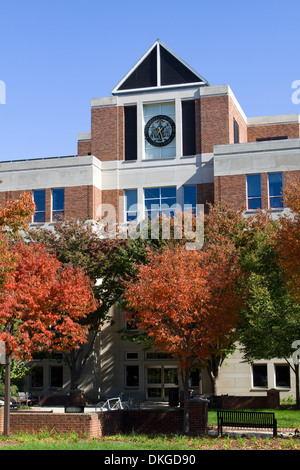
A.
x: 186, y: 301
x: 41, y: 301
x: 287, y: 239
x: 106, y: 260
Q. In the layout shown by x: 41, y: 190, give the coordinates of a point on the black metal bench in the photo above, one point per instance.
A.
x: 246, y: 419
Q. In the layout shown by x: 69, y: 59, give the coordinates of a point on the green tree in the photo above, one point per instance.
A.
x: 271, y: 318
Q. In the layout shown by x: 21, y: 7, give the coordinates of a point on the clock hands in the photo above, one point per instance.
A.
x: 159, y: 130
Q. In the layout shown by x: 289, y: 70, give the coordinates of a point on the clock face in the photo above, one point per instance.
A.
x: 160, y: 130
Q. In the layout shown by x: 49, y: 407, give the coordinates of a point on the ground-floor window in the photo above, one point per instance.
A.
x: 159, y: 381
x: 260, y: 375
x: 132, y: 376
x: 282, y: 375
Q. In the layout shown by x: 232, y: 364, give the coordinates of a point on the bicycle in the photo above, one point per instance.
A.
x: 115, y: 403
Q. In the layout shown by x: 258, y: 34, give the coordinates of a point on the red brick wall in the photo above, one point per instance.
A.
x: 108, y: 133
x: 84, y: 424
x: 107, y: 422
x: 292, y: 131
x: 271, y: 401
x: 205, y: 194
x: 235, y: 114
x: 79, y: 202
x: 212, y: 122
x: 84, y: 147
x: 231, y: 190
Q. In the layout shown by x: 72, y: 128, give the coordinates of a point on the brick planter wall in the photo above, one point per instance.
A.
x: 83, y: 424
x: 90, y: 425
x: 271, y: 400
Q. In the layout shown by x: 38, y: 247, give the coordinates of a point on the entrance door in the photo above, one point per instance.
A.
x: 159, y: 380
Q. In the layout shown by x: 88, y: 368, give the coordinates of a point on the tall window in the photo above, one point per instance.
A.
x: 154, y: 110
x: 188, y: 128
x: 254, y: 191
x: 190, y: 198
x: 282, y: 375
x: 275, y: 189
x: 160, y: 201
x: 39, y: 198
x: 132, y: 376
x: 130, y: 114
x: 58, y: 203
x: 236, y: 132
x: 130, y: 204
x: 260, y: 375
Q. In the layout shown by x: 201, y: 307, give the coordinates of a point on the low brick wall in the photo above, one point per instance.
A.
x: 270, y: 400
x: 155, y: 421
x: 90, y: 425
x: 83, y: 424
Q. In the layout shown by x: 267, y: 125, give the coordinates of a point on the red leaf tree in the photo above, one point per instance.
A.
x: 42, y: 303
x: 186, y: 301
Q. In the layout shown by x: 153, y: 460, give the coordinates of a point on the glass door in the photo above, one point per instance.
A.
x: 159, y: 381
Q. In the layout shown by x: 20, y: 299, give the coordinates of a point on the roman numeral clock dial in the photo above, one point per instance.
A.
x: 160, y: 130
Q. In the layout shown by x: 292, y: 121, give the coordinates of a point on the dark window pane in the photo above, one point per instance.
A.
x: 168, y: 192
x: 276, y: 202
x: 282, y: 376
x: 39, y: 199
x: 58, y: 199
x: 275, y: 189
x: 254, y: 185
x: 275, y: 184
x: 190, y: 196
x: 152, y: 193
x: 260, y: 376
x: 188, y: 127
x: 132, y: 376
x: 131, y: 204
x: 236, y: 132
x: 254, y: 203
x: 130, y: 133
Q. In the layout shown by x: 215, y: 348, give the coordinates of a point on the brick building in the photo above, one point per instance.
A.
x: 164, y: 136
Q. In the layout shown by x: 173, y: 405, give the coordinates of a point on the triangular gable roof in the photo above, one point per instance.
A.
x: 159, y: 68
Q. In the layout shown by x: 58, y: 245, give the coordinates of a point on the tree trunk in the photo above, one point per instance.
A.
x: 185, y: 381
x: 6, y: 429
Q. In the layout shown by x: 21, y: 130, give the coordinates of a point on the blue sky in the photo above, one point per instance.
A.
x: 57, y: 55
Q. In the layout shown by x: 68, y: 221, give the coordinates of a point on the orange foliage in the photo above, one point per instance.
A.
x: 186, y: 300
x: 287, y: 239
x: 42, y: 303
